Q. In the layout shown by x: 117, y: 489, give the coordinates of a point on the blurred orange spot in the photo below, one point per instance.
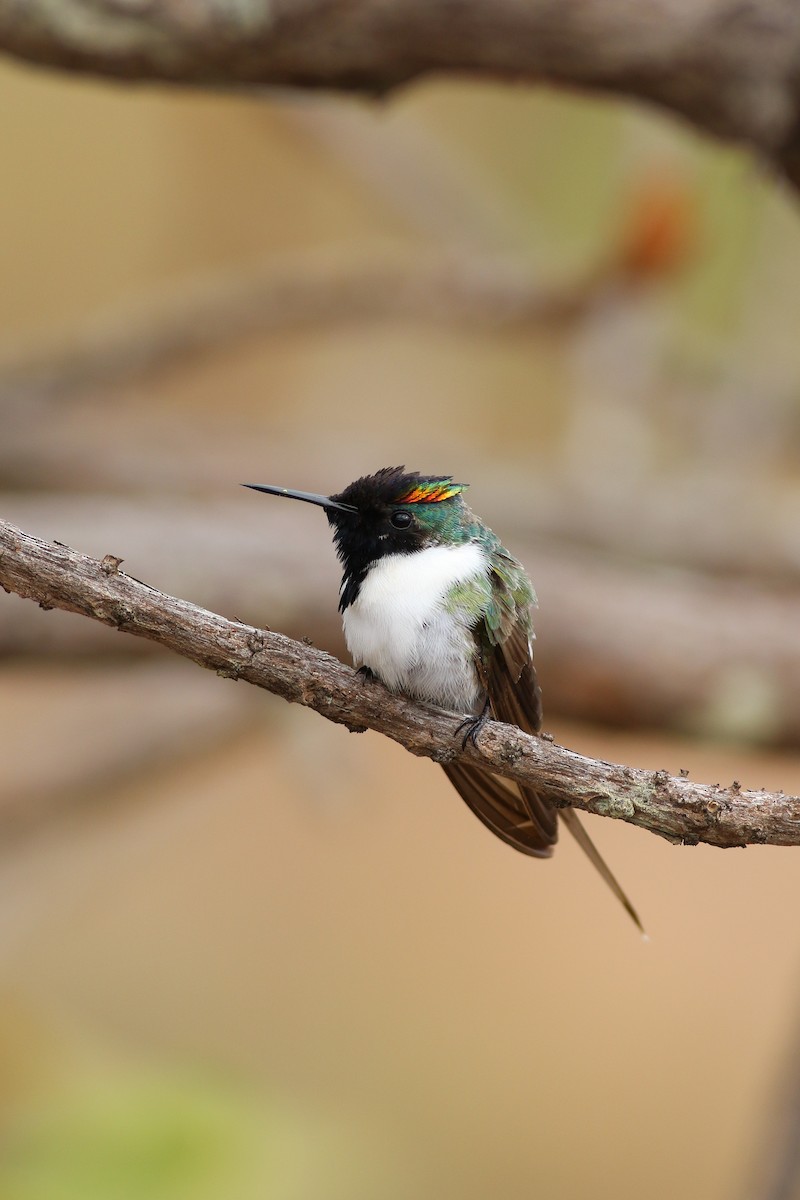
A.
x: 661, y: 231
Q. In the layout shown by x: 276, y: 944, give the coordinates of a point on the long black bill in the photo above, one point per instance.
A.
x: 309, y: 497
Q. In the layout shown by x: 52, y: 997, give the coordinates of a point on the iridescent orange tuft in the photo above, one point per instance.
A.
x: 430, y: 492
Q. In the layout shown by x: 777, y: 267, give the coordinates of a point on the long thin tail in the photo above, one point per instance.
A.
x: 570, y: 819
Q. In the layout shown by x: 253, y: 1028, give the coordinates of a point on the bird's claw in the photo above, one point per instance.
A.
x: 473, y: 726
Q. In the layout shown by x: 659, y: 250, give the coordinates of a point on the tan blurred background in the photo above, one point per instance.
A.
x: 243, y: 953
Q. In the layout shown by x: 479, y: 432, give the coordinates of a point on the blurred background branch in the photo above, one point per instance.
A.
x: 775, y: 1170
x: 303, y: 293
x: 627, y: 644
x: 730, y: 68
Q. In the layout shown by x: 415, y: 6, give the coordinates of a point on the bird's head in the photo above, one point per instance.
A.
x: 393, y: 511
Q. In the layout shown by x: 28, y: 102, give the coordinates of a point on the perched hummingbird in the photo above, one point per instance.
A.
x: 435, y: 606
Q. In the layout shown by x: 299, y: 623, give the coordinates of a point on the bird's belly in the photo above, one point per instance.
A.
x: 399, y: 627
x: 439, y: 668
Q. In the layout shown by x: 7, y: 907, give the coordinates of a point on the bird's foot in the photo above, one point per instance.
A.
x: 473, y: 726
x: 367, y: 674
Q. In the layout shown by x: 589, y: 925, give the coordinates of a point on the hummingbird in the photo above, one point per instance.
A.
x: 437, y: 608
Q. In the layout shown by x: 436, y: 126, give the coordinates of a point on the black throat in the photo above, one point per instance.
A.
x: 363, y: 537
x: 360, y: 542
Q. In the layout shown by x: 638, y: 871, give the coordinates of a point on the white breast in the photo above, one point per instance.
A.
x: 398, y: 626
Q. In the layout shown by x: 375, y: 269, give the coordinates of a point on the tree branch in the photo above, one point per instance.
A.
x: 731, y: 67
x: 56, y: 576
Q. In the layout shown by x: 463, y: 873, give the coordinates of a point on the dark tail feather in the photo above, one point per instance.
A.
x: 514, y: 814
x: 570, y: 819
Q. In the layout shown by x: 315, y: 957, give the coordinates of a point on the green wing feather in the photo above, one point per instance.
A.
x: 518, y: 814
x: 503, y: 635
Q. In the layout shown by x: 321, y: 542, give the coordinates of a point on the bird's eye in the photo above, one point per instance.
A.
x: 401, y: 519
